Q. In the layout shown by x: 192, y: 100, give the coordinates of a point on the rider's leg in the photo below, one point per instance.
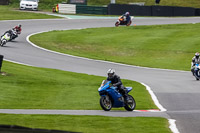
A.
x: 123, y: 91
x: 192, y: 70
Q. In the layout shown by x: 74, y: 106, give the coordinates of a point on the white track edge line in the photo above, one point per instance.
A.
x: 18, y: 63
x: 155, y: 99
x: 172, y: 126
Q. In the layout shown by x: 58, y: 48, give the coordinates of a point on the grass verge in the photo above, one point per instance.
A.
x: 7, y: 13
x: 47, y: 4
x: 37, y: 88
x: 162, y: 46
x: 89, y: 124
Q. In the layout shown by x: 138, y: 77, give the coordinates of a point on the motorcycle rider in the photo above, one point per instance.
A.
x: 18, y: 29
x: 195, y: 60
x: 127, y: 17
x: 116, y: 82
x: 11, y: 32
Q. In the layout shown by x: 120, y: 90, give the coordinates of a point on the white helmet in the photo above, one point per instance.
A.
x: 127, y: 13
x: 197, y: 55
x: 111, y: 73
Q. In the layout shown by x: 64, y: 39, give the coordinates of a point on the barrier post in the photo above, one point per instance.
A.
x: 1, y: 61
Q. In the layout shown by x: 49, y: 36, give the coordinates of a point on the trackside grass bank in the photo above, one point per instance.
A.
x: 7, y: 13
x: 37, y: 88
x: 162, y: 46
x: 89, y: 124
x: 46, y: 4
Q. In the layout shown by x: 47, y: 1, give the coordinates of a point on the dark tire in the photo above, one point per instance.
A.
x: 130, y: 104
x: 117, y: 24
x: 106, y: 103
x: 3, y: 43
x: 197, y: 74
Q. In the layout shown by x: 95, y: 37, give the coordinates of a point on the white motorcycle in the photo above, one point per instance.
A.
x: 4, y: 39
x: 14, y: 34
x: 197, y: 71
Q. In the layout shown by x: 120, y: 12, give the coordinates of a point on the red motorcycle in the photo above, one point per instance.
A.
x: 122, y: 21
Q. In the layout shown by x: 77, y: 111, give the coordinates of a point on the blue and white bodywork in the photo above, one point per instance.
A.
x: 110, y: 97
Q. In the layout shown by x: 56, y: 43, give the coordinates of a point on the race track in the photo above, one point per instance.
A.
x: 177, y: 91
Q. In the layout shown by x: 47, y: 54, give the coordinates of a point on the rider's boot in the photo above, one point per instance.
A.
x: 126, y: 97
x: 192, y: 70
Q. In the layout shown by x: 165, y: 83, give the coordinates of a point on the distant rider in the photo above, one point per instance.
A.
x: 195, y: 60
x: 116, y: 82
x: 18, y: 29
x: 127, y: 17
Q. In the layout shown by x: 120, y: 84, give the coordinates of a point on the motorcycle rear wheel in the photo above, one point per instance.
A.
x: 105, y: 103
x: 129, y: 23
x: 130, y: 104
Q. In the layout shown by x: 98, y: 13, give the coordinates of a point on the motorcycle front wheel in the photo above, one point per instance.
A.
x: 197, y: 74
x: 130, y: 103
x: 117, y: 23
x: 105, y: 103
x: 3, y: 43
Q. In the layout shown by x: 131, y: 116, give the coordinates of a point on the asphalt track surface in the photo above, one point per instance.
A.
x: 177, y: 91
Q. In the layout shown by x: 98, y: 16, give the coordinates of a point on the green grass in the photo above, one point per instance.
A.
x: 89, y: 124
x: 7, y: 13
x: 38, y: 88
x: 163, y: 46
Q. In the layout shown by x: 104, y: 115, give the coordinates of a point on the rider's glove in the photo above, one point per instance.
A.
x: 114, y: 85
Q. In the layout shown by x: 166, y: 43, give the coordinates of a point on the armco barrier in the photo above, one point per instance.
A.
x: 117, y: 9
x: 141, y: 10
x: 83, y: 9
x: 162, y: 11
x: 1, y: 61
x: 135, y: 10
x: 184, y: 11
x: 197, y: 12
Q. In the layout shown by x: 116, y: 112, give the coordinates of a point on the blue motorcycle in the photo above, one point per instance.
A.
x: 111, y: 98
x: 197, y: 71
